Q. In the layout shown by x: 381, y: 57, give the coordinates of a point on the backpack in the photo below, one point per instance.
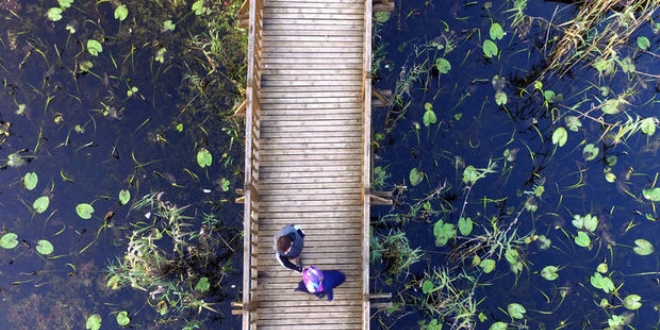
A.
x: 313, y: 279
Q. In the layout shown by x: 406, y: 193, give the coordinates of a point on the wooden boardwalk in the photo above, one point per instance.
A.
x: 307, y: 158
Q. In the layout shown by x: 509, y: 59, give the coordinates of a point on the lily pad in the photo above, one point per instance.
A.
x: 590, y: 152
x: 499, y: 325
x: 429, y: 118
x: 550, y: 273
x: 465, y: 226
x: 652, y: 194
x: 442, y: 65
x: 582, y: 239
x: 590, y: 222
x: 94, y: 47
x: 559, y: 136
x: 85, y: 210
x: 124, y: 196
x: 470, y: 175
x: 632, y: 302
x: 490, y: 48
x: 604, y: 283
x: 123, y: 319
x: 54, y: 14
x: 203, y: 285
x: 488, y: 265
x: 44, y: 247
x: 443, y: 232
x: 40, y: 205
x: 121, y: 12
x: 9, y: 241
x: 93, y: 322
x: 573, y: 123
x: 643, y: 43
x: 496, y: 32
x: 501, y: 98
x: 30, y: 180
x: 204, y: 158
x: 648, y: 125
x: 643, y: 247
x: 517, y: 311
x: 169, y: 26
x: 415, y: 176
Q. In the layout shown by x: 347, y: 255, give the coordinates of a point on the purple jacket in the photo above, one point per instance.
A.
x: 331, y: 280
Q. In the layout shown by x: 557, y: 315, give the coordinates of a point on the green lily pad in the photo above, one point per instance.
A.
x: 550, y: 273
x: 499, y: 325
x: 613, y: 106
x: 573, y: 123
x: 85, y: 210
x: 94, y: 47
x: 40, y: 205
x: 429, y: 118
x: 470, y: 175
x: 44, y: 247
x: 30, y: 180
x: 54, y: 14
x: 169, y: 26
x: 204, y: 158
x: 652, y: 194
x: 648, y: 125
x: 643, y: 247
x: 501, y: 98
x: 582, y: 239
x: 203, y: 285
x: 489, y: 48
x: 442, y: 65
x: 465, y: 226
x: 590, y: 152
x: 488, y: 265
x: 496, y: 32
x: 604, y: 283
x: 590, y: 222
x: 643, y: 43
x: 427, y: 286
x: 559, y: 136
x: 443, y: 232
x: 415, y: 176
x: 225, y: 184
x: 632, y: 302
x: 93, y: 322
x: 121, y: 12
x: 124, y: 196
x: 65, y: 3
x: 517, y: 311
x: 9, y: 241
x: 123, y: 319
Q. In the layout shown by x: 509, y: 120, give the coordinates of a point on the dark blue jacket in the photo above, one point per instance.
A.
x: 331, y: 280
x: 296, y: 234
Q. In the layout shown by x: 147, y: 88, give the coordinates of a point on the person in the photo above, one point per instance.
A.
x: 320, y: 283
x: 289, y: 243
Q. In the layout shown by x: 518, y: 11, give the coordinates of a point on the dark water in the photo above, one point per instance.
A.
x: 472, y: 129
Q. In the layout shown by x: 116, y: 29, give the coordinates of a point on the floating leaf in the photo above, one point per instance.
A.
x: 8, y: 241
x: 44, y: 247
x: 632, y: 302
x: 470, y: 175
x: 168, y: 25
x: 382, y: 16
x: 490, y: 48
x: 578, y: 221
x: 443, y: 232
x: 429, y: 118
x: 643, y: 247
x: 204, y: 158
x: 549, y: 96
x: 499, y: 325
x: 488, y: 265
x: 590, y: 222
x: 643, y: 43
x: 121, y: 12
x: 590, y: 152
x: 573, y: 123
x: 54, y: 14
x: 65, y: 3
x: 41, y: 204
x: 602, y: 268
x: 123, y: 319
x: 30, y: 180
x: 124, y: 196
x: 602, y: 282
x: 501, y: 98
x: 465, y: 226
x: 93, y: 322
x: 559, y: 136
x: 443, y: 65
x: 550, y: 273
x: 610, y: 177
x: 582, y: 239
x: 496, y: 32
x: 516, y: 310
x: 648, y: 125
x: 416, y: 176
x: 203, y: 285
x: 652, y: 194
x: 224, y: 184
x: 94, y: 47
x: 113, y: 282
x: 199, y: 8
x: 613, y: 106
x: 627, y: 65
x: 85, y: 210
x: 427, y: 286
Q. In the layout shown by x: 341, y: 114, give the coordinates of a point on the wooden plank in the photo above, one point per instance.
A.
x: 311, y: 14
x: 330, y: 6
x: 293, y: 38
x: 343, y: 9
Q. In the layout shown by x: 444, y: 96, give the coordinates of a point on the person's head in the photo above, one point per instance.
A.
x: 284, y: 244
